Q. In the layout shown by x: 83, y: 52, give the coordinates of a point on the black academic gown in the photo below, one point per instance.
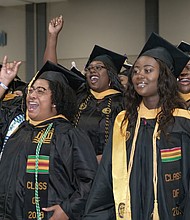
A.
x: 97, y: 118
x: 11, y: 101
x: 173, y: 176
x: 9, y: 110
x: 72, y: 167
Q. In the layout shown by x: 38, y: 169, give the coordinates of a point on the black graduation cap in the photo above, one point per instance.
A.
x: 17, y: 84
x: 184, y: 46
x: 159, y: 48
x: 68, y: 76
x: 107, y: 56
x: 78, y: 72
x: 127, y: 65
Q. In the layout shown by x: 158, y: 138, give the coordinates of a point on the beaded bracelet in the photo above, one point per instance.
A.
x: 3, y: 86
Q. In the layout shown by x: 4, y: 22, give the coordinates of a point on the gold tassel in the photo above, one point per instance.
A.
x: 155, y: 215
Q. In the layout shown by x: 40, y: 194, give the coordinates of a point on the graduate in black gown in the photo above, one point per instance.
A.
x: 144, y: 173
x: 14, y: 93
x: 184, y: 77
x: 47, y: 166
x: 100, y: 99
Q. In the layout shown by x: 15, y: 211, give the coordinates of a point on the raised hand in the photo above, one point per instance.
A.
x: 55, y: 25
x: 8, y: 71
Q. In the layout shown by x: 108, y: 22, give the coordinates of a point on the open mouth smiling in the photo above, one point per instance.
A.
x: 184, y: 81
x: 32, y: 106
x: 94, y: 79
x: 141, y: 84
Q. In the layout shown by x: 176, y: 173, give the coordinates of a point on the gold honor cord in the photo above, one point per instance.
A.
x: 155, y: 215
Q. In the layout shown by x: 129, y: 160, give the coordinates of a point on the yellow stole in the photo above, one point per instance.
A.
x: 101, y: 95
x: 9, y: 96
x: 120, y: 173
x: 38, y: 122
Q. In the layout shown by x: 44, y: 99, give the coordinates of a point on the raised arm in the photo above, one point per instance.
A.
x: 7, y: 74
x: 54, y: 29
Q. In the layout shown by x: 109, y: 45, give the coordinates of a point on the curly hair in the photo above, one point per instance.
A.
x: 169, y: 98
x: 64, y: 98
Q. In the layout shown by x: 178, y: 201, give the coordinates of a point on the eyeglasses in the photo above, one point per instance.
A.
x: 96, y: 68
x: 40, y: 91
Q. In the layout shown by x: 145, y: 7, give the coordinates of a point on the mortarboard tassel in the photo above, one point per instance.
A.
x: 155, y: 215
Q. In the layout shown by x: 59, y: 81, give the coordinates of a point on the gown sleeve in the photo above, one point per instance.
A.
x: 83, y: 168
x: 100, y: 203
x: 175, y: 205
x: 7, y: 113
x: 186, y: 173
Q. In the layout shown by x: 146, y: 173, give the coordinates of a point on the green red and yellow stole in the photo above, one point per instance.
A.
x: 43, y: 164
x: 120, y: 173
x: 171, y: 155
x: 37, y: 173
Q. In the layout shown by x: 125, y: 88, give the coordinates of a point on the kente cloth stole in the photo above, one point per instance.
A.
x: 34, y: 204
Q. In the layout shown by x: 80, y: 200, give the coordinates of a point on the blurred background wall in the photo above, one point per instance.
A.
x: 119, y: 25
